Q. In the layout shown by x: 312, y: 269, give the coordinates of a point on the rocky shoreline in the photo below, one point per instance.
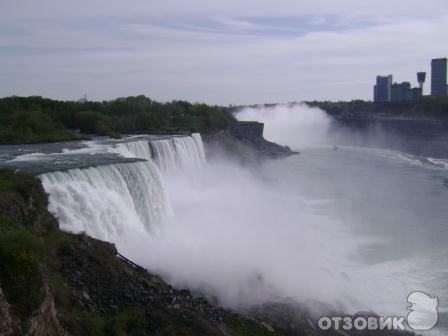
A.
x: 245, y: 143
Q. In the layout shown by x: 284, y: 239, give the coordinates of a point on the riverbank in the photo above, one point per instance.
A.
x: 418, y: 128
x: 244, y: 142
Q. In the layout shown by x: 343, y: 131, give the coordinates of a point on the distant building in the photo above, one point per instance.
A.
x: 401, y: 92
x: 382, y: 89
x: 438, y: 77
x: 421, y: 78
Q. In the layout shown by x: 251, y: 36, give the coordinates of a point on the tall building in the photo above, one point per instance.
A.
x: 382, y: 89
x: 438, y: 77
x: 401, y: 92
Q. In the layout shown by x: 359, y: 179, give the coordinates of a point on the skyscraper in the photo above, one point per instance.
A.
x: 438, y: 77
x: 381, y: 91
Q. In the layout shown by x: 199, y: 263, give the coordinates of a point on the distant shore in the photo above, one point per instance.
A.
x: 433, y: 109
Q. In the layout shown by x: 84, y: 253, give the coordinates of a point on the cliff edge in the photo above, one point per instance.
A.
x: 244, y: 142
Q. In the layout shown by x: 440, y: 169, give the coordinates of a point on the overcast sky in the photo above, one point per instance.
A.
x: 222, y: 52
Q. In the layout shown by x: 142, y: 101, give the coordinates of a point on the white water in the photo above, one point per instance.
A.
x: 324, y: 225
x: 179, y: 153
x: 134, y: 149
x: 110, y: 201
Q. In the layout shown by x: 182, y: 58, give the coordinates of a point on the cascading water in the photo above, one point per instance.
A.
x: 134, y: 149
x: 163, y: 153
x: 180, y: 153
x: 107, y: 201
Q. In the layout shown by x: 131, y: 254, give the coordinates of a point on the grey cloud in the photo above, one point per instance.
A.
x: 217, y: 52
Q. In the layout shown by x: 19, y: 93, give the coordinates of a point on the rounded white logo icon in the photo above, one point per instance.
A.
x: 423, y: 311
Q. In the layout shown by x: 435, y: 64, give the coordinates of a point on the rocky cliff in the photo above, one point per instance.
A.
x: 245, y: 143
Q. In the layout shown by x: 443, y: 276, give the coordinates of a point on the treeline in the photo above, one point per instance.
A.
x: 36, y: 119
x: 427, y: 107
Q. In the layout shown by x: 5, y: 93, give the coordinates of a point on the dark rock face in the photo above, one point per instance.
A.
x: 8, y: 324
x: 103, y: 282
x: 250, y: 130
x: 44, y: 321
x: 245, y: 143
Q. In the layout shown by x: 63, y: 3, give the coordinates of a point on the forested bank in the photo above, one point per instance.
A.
x: 36, y: 119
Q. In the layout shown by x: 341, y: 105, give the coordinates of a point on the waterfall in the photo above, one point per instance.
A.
x: 163, y: 153
x: 108, y: 201
x: 173, y: 154
x: 134, y: 149
x: 199, y: 145
x: 179, y: 153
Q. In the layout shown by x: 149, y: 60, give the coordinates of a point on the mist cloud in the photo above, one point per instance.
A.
x: 295, y: 125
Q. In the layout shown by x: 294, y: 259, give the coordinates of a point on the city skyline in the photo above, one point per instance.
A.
x: 220, y: 53
x: 387, y: 90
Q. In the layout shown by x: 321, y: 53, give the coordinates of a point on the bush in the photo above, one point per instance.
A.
x: 20, y: 258
x: 31, y: 127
